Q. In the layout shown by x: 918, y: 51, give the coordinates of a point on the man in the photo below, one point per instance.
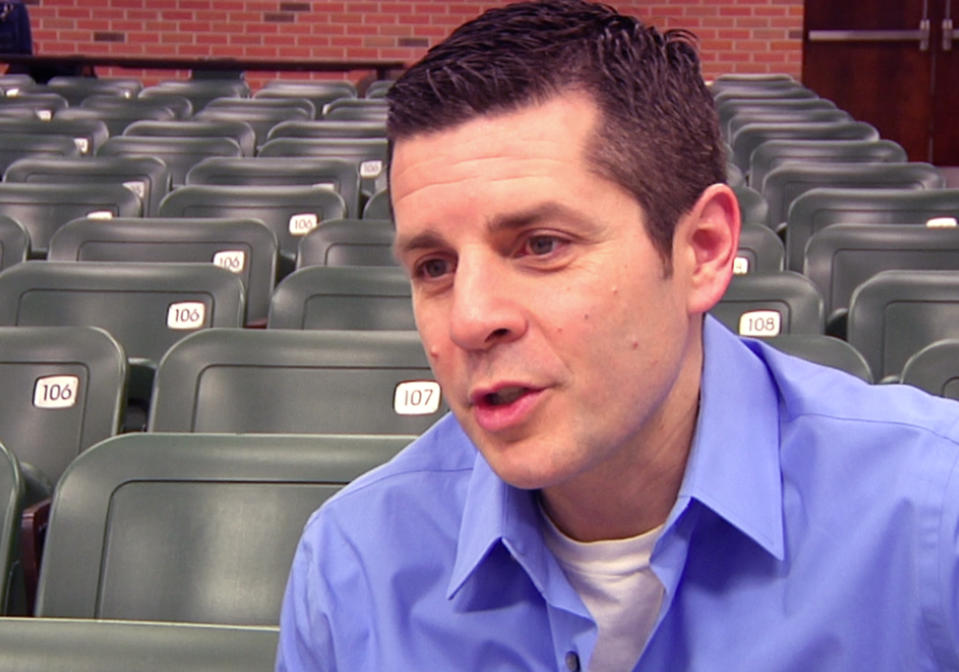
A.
x: 623, y: 484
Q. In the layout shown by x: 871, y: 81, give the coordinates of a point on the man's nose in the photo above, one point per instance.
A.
x: 487, y: 306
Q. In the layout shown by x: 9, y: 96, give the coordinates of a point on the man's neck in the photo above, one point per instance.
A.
x: 634, y: 493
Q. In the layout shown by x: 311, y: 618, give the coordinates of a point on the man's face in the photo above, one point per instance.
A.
x: 542, y: 304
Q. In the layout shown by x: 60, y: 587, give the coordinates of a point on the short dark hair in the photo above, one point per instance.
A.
x: 658, y: 136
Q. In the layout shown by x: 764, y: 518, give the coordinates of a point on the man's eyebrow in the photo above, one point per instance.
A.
x: 426, y: 240
x: 535, y: 215
x: 432, y: 238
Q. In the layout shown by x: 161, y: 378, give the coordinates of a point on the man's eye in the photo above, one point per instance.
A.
x: 434, y: 268
x: 541, y: 245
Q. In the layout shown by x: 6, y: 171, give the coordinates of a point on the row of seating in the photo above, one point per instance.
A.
x: 872, y: 234
x: 115, y: 132
x: 181, y: 528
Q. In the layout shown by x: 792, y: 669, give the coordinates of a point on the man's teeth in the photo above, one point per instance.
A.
x: 507, y: 395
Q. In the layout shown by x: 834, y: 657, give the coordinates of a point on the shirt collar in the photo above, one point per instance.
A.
x: 733, y: 466
x: 733, y: 469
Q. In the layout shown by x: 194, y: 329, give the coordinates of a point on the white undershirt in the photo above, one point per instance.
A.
x: 617, y: 585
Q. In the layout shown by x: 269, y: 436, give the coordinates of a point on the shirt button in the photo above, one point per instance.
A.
x: 572, y: 661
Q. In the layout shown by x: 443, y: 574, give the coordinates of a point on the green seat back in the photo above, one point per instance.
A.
x: 343, y: 297
x: 282, y: 380
x: 244, y: 246
x: 769, y: 304
x: 87, y: 645
x: 146, y: 176
x: 42, y: 208
x: 147, y: 307
x: 348, y: 242
x: 63, y: 390
x: 894, y: 314
x: 190, y: 528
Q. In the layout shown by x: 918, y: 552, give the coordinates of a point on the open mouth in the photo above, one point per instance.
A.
x: 504, y: 396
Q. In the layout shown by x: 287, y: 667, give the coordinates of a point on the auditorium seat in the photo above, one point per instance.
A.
x: 370, y: 155
x: 14, y: 242
x: 245, y: 247
x: 319, y: 382
x: 11, y: 506
x: 770, y: 304
x: 728, y: 108
x: 767, y: 115
x: 87, y: 134
x: 239, y: 131
x: 181, y: 107
x: 379, y: 88
x: 750, y: 136
x: 935, y: 368
x: 290, y: 212
x: 43, y: 105
x: 356, y: 109
x: 199, y: 91
x: 325, y: 128
x: 145, y: 307
x: 760, y: 250
x: 823, y: 206
x: 117, y: 118
x: 318, y: 92
x: 145, y: 176
x: 14, y: 146
x: 343, y: 297
x: 773, y: 153
x: 349, y: 242
x: 777, y: 92
x: 262, y: 114
x: 42, y: 208
x: 284, y: 103
x: 753, y: 208
x: 191, y: 528
x: 75, y: 88
x: 784, y: 184
x: 338, y: 175
x: 841, y: 257
x: 89, y: 645
x: 378, y: 207
x: 894, y: 314
x: 826, y: 350
x: 177, y: 152
x: 63, y: 390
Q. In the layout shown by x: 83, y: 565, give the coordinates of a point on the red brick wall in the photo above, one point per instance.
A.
x: 737, y: 35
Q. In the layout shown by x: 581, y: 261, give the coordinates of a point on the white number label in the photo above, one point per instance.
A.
x: 416, y: 397
x: 100, y: 214
x: 741, y: 265
x: 138, y: 187
x: 186, y: 315
x: 941, y: 223
x: 82, y: 144
x: 44, y: 115
x: 303, y: 223
x: 231, y: 260
x: 56, y: 392
x: 760, y: 323
x: 371, y: 168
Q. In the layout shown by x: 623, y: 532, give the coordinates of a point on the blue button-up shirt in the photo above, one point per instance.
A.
x: 816, y: 528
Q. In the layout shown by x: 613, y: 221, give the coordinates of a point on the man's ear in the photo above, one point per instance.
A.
x: 708, y: 237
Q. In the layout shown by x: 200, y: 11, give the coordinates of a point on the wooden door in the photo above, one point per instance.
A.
x: 889, y: 63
